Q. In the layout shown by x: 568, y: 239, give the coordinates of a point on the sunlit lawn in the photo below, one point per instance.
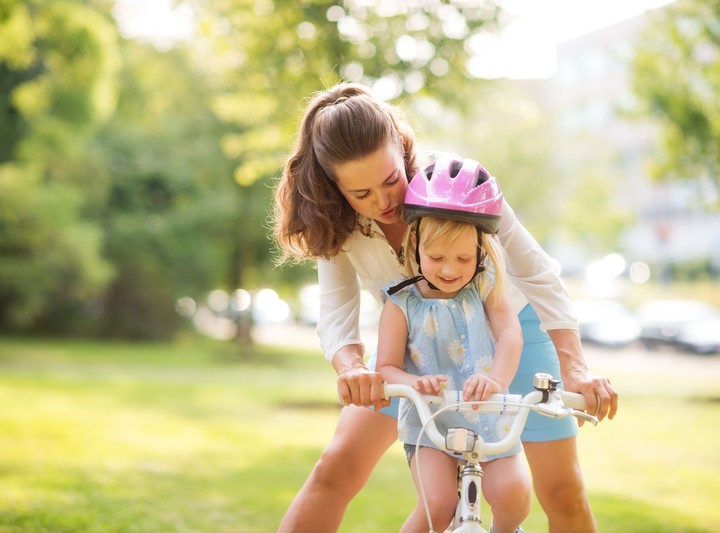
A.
x: 194, y: 437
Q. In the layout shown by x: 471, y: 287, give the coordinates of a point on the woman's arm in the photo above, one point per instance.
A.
x: 338, y: 324
x: 537, y: 276
x: 577, y: 377
x: 339, y: 331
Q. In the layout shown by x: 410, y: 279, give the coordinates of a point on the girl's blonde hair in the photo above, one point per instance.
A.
x: 433, y: 229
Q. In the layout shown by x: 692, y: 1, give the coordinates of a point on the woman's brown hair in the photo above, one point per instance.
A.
x: 344, y: 123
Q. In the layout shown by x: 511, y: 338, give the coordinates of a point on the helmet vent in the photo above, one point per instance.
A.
x: 455, y: 168
x: 481, y: 178
x: 428, y: 171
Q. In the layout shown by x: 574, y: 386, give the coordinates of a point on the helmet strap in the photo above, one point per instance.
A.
x: 404, y: 283
x: 481, y: 255
x: 410, y: 281
x: 417, y: 255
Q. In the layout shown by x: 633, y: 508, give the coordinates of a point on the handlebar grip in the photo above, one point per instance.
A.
x: 574, y: 400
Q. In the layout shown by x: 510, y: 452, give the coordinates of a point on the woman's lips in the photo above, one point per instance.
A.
x: 389, y: 213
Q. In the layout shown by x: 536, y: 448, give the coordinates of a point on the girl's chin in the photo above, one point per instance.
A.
x: 446, y: 288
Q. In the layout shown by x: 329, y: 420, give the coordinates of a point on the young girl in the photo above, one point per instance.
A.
x: 452, y: 326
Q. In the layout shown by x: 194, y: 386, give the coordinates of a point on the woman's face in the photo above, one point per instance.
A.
x: 375, y: 185
x: 450, y: 265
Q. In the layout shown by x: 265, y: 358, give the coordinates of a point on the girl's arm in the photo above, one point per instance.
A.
x: 508, y: 338
x: 392, y: 340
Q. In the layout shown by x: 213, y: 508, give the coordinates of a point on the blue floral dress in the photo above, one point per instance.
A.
x: 450, y: 337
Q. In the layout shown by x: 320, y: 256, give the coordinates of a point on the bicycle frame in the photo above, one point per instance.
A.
x: 464, y: 443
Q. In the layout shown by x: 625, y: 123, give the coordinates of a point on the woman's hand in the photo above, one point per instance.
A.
x: 600, y: 396
x: 360, y: 386
x: 479, y: 387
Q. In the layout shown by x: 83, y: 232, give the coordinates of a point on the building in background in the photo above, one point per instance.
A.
x: 588, y: 94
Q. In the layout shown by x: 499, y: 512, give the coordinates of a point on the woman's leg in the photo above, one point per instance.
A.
x: 550, y: 444
x: 361, y: 438
x: 439, y: 477
x: 506, y: 488
x: 559, y: 485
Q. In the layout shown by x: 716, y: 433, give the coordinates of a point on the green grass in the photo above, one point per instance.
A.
x: 199, y: 437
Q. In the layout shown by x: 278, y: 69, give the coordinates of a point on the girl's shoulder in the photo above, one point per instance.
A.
x: 408, y: 297
x: 397, y: 296
x: 485, y: 280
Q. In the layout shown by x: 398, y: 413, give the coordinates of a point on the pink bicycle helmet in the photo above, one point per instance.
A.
x: 460, y: 189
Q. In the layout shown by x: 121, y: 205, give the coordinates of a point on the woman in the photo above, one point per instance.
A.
x: 340, y: 202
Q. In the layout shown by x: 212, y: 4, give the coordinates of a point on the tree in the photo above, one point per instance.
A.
x: 171, y: 214
x: 401, y: 48
x: 57, y: 67
x: 677, y: 81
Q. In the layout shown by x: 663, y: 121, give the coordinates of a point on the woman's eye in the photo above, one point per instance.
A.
x: 362, y: 196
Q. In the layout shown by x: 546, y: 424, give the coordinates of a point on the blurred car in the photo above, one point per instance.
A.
x: 690, y: 325
x: 607, y: 323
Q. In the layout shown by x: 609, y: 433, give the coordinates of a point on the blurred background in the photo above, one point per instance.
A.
x: 140, y: 143
x: 159, y: 372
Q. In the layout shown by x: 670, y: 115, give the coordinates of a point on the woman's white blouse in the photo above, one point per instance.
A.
x: 369, y: 261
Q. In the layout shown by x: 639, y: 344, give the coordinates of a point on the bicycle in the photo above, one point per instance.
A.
x: 465, y: 444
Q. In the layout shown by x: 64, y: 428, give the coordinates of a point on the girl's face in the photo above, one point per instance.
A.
x: 450, y: 265
x: 375, y: 185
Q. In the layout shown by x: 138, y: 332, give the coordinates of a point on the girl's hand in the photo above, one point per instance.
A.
x: 479, y: 387
x: 430, y: 384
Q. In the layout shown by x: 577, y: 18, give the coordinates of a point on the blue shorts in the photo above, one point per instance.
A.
x: 538, y: 355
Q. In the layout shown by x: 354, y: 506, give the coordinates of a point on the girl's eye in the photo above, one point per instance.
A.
x: 362, y: 196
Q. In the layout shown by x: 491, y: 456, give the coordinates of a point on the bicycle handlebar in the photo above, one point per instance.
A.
x: 556, y: 404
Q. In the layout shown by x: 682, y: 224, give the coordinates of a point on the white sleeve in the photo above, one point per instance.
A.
x: 535, y: 274
x: 339, y: 323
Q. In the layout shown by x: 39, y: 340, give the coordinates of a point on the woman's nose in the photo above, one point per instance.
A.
x: 383, y: 200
